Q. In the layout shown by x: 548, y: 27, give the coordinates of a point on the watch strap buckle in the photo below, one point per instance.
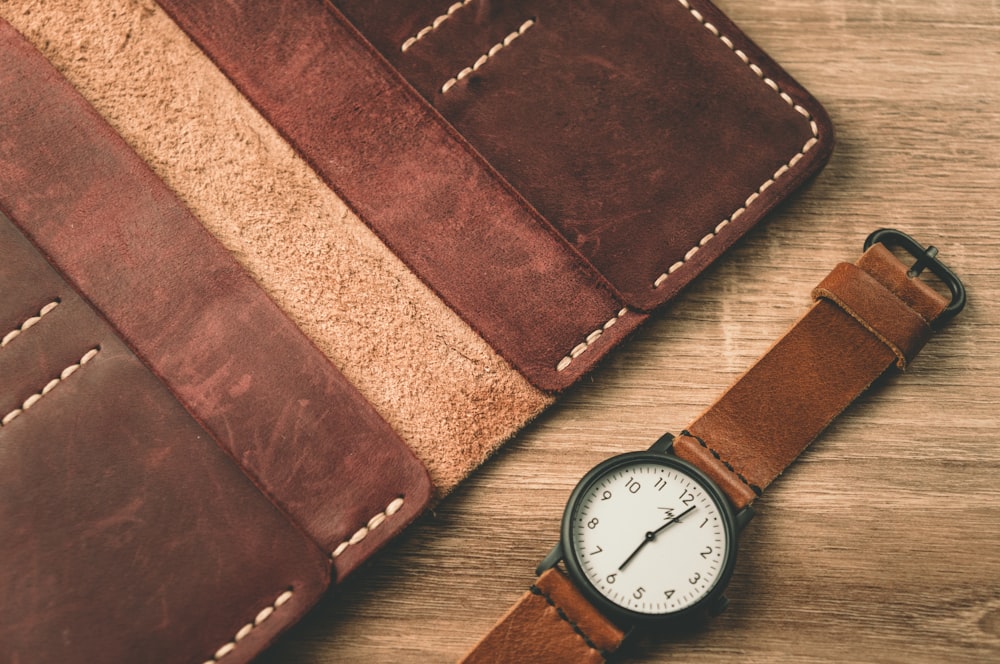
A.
x: 926, y: 259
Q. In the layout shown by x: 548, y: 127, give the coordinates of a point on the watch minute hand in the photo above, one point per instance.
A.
x: 650, y: 536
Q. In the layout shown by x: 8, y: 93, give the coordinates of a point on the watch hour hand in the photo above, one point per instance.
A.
x: 645, y: 540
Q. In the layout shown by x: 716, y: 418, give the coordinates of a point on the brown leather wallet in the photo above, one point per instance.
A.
x: 553, y: 170
x: 183, y: 471
x: 867, y: 317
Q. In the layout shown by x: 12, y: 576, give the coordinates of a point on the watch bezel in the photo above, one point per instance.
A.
x: 579, y: 578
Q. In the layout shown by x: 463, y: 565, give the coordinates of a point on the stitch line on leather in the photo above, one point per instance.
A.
x: 23, y: 327
x: 51, y: 385
x: 484, y: 58
x: 718, y: 457
x: 809, y: 144
x: 372, y: 524
x: 535, y: 590
x: 433, y: 25
x: 581, y: 347
x: 242, y: 633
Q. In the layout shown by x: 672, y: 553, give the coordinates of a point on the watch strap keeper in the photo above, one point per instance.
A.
x: 878, y: 310
x: 551, y: 622
x: 866, y: 318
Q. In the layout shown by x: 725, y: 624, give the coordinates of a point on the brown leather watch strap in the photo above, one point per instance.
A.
x: 552, y: 622
x: 867, y: 317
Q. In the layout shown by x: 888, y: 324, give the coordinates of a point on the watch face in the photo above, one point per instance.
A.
x: 650, y: 535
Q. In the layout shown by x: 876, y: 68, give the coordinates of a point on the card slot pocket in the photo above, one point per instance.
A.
x: 118, y: 508
x: 648, y: 166
x: 108, y: 489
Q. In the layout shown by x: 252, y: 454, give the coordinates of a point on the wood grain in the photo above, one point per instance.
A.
x: 883, y: 542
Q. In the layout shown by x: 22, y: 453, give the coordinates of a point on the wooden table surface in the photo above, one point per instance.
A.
x: 883, y: 542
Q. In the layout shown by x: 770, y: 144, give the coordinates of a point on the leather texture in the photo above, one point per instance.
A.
x: 413, y: 179
x: 552, y: 170
x: 128, y: 534
x: 867, y: 318
x: 877, y: 309
x: 552, y: 622
x: 179, y: 300
x: 449, y: 395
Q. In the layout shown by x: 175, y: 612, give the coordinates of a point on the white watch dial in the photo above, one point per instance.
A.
x: 649, y: 537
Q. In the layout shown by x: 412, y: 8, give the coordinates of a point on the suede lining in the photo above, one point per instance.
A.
x: 436, y: 382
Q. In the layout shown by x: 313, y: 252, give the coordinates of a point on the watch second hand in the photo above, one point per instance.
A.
x: 651, y: 535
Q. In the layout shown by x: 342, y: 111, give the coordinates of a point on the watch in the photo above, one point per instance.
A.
x: 649, y: 538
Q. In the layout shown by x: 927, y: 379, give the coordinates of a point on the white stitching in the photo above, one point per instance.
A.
x: 785, y: 168
x: 433, y: 25
x: 242, y: 633
x: 580, y: 348
x: 10, y: 336
x: 51, y: 385
x: 372, y: 524
x: 496, y: 48
x: 769, y: 82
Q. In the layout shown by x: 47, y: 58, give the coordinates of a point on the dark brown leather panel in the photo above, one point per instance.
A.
x: 551, y: 623
x: 635, y: 130
x: 128, y: 535
x: 416, y: 182
x: 828, y: 358
x: 176, y: 297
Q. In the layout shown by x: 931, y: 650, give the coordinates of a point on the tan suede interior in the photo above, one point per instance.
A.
x: 446, y: 392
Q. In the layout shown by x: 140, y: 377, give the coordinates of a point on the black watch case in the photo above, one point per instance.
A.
x: 712, y: 603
